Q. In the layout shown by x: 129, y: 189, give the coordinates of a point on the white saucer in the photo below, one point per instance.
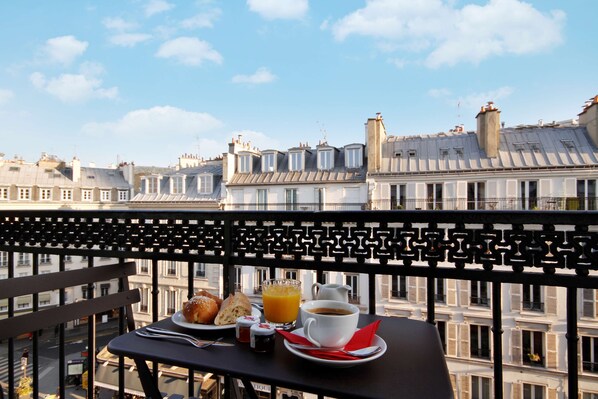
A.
x: 336, y: 363
x: 180, y: 320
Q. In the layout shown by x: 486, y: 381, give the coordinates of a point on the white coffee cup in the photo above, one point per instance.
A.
x: 328, y: 323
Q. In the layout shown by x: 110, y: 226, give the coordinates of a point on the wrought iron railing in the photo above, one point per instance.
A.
x: 545, y: 248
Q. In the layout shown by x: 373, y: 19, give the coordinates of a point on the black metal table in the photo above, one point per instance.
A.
x: 413, y: 366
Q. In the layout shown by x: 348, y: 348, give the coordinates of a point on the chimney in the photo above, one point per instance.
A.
x: 488, y: 130
x: 589, y: 119
x: 375, y: 136
x: 76, y: 169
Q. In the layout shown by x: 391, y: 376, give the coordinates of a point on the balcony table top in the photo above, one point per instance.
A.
x: 412, y: 367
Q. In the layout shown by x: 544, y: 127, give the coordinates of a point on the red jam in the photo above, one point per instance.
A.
x: 243, y: 327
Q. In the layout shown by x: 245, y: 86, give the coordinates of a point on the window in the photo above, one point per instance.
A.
x: 325, y: 160
x: 170, y: 302
x: 398, y: 196
x: 480, y: 387
x: 261, y: 274
x: 86, y: 195
x: 441, y: 326
x: 586, y: 195
x: 105, y: 195
x: 588, y: 302
x: 290, y: 199
x: 439, y: 291
x: 533, y: 391
x: 479, y: 342
x: 85, y: 294
x: 144, y: 302
x: 205, y: 184
x: 3, y: 259
x: 152, y: 185
x: 476, y: 195
x: 262, y: 199
x: 144, y: 266
x: 353, y: 158
x: 533, y: 348
x: 104, y: 288
x: 44, y: 299
x: 245, y: 163
x: 479, y: 293
x: 290, y: 274
x: 68, y: 258
x: 532, y: 298
x: 238, y: 279
x: 319, y: 198
x: 123, y: 195
x: 434, y: 196
x: 296, y: 161
x: 66, y: 194
x: 529, y: 194
x: 45, y: 194
x: 22, y: 259
x: 3, y: 193
x: 268, y: 162
x: 589, y: 354
x: 171, y: 268
x: 45, y: 259
x: 24, y: 193
x: 399, y: 287
x: 199, y: 270
x: 352, y: 280
x: 589, y: 395
x: 177, y: 184
x: 23, y: 305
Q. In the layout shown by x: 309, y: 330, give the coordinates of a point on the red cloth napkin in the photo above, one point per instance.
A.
x: 361, y: 339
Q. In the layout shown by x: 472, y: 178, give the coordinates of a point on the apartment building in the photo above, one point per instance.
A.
x: 547, y: 166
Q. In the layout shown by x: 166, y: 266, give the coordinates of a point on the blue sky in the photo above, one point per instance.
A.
x: 145, y: 81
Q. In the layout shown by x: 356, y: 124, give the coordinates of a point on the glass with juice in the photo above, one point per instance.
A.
x: 282, y: 298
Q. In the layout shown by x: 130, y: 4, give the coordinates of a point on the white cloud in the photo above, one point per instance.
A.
x: 474, y: 101
x: 64, y: 49
x: 189, y: 51
x: 153, y: 7
x: 5, y: 96
x: 129, y: 39
x: 202, y: 20
x: 279, y: 9
x: 439, y: 93
x: 448, y: 35
x: 261, y: 76
x: 75, y: 88
x: 155, y: 122
x: 118, y: 24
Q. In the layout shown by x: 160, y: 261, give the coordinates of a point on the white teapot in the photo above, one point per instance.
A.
x: 334, y: 292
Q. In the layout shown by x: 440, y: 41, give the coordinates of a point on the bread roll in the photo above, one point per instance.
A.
x: 200, y: 309
x: 210, y: 295
x: 234, y: 306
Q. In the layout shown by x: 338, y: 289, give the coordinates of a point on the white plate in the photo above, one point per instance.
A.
x: 180, y: 320
x: 336, y: 363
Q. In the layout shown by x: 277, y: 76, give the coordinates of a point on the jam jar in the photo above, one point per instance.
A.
x: 243, y: 326
x: 262, y: 337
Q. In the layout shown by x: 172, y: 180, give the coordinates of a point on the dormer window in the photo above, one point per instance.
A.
x: 295, y: 161
x: 205, y: 184
x: 177, y: 184
x: 353, y: 157
x: 152, y: 185
x: 268, y: 162
x: 245, y: 163
x: 325, y: 159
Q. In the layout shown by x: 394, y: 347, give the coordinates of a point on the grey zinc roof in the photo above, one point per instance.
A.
x: 528, y: 147
x: 310, y: 174
x: 99, y: 177
x: 33, y: 175
x: 191, y: 194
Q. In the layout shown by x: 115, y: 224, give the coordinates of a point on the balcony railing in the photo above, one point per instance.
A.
x: 554, y: 248
x: 533, y: 306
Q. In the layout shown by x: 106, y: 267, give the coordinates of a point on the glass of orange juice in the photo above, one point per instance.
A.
x: 282, y: 298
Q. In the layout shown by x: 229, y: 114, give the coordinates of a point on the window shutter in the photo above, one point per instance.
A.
x: 385, y: 282
x: 451, y: 291
x: 464, y: 292
x: 421, y: 289
x: 516, y: 346
x: 465, y: 387
x: 544, y: 187
x: 516, y: 297
x: 420, y: 195
x: 551, y: 300
x: 465, y: 352
x: 385, y: 194
x: 412, y: 289
x: 451, y: 347
x: 516, y: 390
x: 511, y: 189
x: 551, y: 351
x: 570, y: 185
x: 453, y: 378
x: 596, y: 300
x: 552, y: 394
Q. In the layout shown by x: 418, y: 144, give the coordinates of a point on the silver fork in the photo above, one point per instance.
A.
x: 192, y: 340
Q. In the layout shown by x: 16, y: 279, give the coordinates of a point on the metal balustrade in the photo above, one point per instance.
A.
x: 552, y: 248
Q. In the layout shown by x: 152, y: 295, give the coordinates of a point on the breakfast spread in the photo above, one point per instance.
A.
x: 206, y: 308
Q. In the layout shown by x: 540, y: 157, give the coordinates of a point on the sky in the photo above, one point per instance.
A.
x: 146, y: 81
